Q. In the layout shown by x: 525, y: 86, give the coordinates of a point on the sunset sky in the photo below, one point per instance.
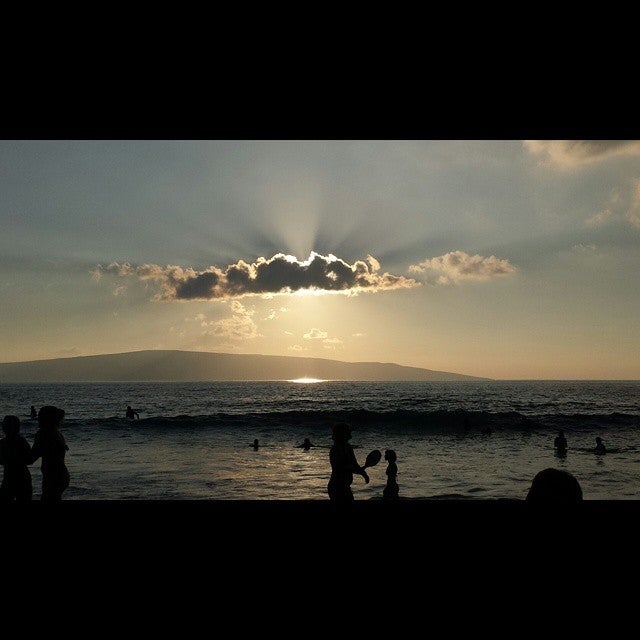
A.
x: 501, y: 259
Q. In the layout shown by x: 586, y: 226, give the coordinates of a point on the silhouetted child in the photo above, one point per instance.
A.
x: 131, y: 414
x: 34, y: 413
x: 554, y: 486
x: 343, y: 465
x: 15, y: 455
x: 600, y: 448
x: 256, y: 444
x: 560, y: 443
x: 391, y: 490
x: 49, y: 444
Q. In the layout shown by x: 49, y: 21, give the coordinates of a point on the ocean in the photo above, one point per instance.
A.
x: 193, y: 439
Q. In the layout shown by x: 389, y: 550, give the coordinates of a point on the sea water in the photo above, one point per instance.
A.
x: 193, y: 439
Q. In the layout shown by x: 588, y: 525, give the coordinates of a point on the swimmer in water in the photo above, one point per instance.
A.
x: 131, y: 414
x: 255, y: 444
x: 306, y: 445
x: 600, y: 448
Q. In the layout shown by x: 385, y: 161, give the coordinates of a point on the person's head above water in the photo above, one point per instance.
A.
x: 255, y: 442
x: 599, y: 440
x: 341, y: 432
x: 11, y: 426
x: 50, y: 416
x: 553, y: 485
x: 390, y: 455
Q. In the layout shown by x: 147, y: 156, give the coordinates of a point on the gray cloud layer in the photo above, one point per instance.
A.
x: 569, y: 154
x: 279, y: 274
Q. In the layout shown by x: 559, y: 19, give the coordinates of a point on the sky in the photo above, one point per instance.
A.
x: 501, y: 259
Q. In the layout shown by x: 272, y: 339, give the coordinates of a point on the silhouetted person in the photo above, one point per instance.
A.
x: 600, y: 448
x: 255, y: 444
x: 34, y: 413
x: 554, y: 486
x: 391, y: 490
x: 49, y: 445
x: 131, y: 414
x: 307, y: 444
x: 560, y: 444
x: 343, y: 465
x: 15, y: 455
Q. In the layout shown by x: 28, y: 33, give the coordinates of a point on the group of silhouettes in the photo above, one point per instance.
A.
x: 561, y: 446
x: 16, y: 454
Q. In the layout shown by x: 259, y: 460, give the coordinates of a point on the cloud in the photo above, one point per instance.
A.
x: 358, y: 335
x: 572, y: 154
x: 619, y: 207
x: 332, y: 341
x: 315, y: 334
x: 633, y: 219
x: 240, y: 326
x: 457, y: 266
x: 281, y: 274
x: 297, y: 347
x: 273, y: 313
x: 600, y: 218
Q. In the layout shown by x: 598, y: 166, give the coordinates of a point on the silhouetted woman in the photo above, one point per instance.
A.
x: 15, y: 455
x: 343, y: 465
x: 49, y: 445
x: 391, y: 490
x: 560, y: 443
x: 600, y: 448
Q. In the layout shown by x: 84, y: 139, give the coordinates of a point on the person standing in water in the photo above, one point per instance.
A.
x: 343, y: 465
x: 49, y: 444
x: 131, y: 414
x: 391, y: 490
x: 255, y: 444
x: 15, y: 455
x: 34, y: 413
x: 600, y: 448
x: 560, y: 444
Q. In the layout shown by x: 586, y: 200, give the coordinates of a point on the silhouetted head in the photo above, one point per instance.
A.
x: 255, y: 442
x: 390, y: 455
x: 341, y: 432
x: 128, y: 406
x: 553, y: 485
x: 599, y: 440
x: 11, y: 426
x: 50, y: 417
x: 307, y: 442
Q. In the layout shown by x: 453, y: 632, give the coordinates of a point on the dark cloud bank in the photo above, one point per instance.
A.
x: 279, y: 274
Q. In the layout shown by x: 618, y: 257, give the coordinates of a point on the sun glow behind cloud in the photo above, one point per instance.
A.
x: 282, y: 274
x: 307, y: 380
